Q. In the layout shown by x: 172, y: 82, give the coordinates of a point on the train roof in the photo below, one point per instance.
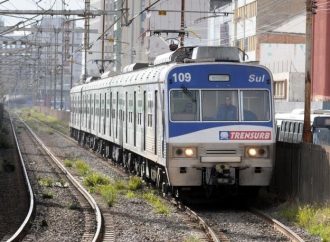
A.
x: 194, y: 54
x: 135, y: 77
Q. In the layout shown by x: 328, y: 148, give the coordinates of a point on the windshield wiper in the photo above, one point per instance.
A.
x: 188, y: 93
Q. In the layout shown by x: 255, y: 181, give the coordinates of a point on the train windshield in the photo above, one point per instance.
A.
x: 220, y: 105
x: 185, y: 105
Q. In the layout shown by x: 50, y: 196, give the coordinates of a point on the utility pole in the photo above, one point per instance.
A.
x: 102, y: 50
x: 86, y: 35
x: 55, y: 67
x: 71, y: 62
x: 182, y: 23
x: 307, y: 133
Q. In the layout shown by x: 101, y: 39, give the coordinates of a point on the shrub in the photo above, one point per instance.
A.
x: 96, y: 179
x: 109, y: 193
x: 82, y: 167
x: 134, y: 183
x: 158, y: 205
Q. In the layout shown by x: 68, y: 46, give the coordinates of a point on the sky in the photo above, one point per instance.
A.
x: 36, y: 5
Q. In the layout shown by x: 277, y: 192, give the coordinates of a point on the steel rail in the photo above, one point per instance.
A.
x: 278, y: 225
x: 28, y: 217
x: 89, y: 198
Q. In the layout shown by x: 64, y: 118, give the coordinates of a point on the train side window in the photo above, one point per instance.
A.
x: 256, y: 105
x: 185, y: 105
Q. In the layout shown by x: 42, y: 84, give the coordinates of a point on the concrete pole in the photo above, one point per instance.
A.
x: 307, y: 133
x: 182, y: 22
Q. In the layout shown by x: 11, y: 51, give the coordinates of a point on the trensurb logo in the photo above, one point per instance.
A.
x: 224, y: 135
x: 245, y: 135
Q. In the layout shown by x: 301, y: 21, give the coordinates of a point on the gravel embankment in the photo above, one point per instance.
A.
x: 60, y: 210
x: 133, y: 219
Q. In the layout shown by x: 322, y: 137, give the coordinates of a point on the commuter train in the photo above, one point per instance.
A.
x: 164, y: 123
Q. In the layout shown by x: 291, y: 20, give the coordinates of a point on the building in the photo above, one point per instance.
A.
x: 321, y: 54
x: 271, y: 33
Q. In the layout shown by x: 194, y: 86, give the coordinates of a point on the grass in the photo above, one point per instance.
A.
x: 33, y: 113
x: 95, y: 179
x: 82, y: 167
x: 109, y: 193
x: 68, y: 163
x: 134, y: 183
x: 191, y: 239
x: 314, y: 218
x: 109, y: 189
x: 156, y: 203
x: 45, y: 182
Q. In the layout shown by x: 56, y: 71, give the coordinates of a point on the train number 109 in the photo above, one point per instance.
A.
x: 181, y: 77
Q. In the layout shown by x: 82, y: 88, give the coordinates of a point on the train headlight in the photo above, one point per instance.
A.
x: 257, y: 152
x: 185, y: 152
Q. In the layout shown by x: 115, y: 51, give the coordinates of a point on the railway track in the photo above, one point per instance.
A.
x: 242, y: 225
x: 20, y: 232
x: 82, y: 207
x: 216, y: 234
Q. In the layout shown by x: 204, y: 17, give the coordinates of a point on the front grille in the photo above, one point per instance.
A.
x: 221, y: 152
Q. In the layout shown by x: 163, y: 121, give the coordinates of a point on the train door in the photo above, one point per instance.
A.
x: 134, y: 119
x: 120, y: 119
x: 116, y: 116
x: 90, y: 112
x: 100, y: 113
x: 111, y: 118
x: 94, y: 112
x: 156, y: 123
x: 86, y: 112
x: 144, y: 119
x: 104, y: 112
x: 80, y: 103
x: 126, y: 118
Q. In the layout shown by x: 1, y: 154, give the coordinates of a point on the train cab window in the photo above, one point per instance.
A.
x: 184, y: 105
x: 256, y: 105
x: 220, y: 105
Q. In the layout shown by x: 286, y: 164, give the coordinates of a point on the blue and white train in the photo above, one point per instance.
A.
x: 164, y: 121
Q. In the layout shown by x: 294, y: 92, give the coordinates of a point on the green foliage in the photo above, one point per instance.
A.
x: 52, y: 121
x: 68, y: 163
x: 94, y: 179
x: 134, y: 183
x: 192, y: 239
x: 109, y: 193
x: 45, y: 182
x: 120, y: 185
x: 82, y: 167
x: 313, y: 218
x: 131, y: 195
x: 157, y: 203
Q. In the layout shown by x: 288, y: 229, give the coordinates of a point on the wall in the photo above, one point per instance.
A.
x: 280, y: 57
x: 302, y: 171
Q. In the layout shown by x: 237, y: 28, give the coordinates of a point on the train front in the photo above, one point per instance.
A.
x: 221, y: 128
